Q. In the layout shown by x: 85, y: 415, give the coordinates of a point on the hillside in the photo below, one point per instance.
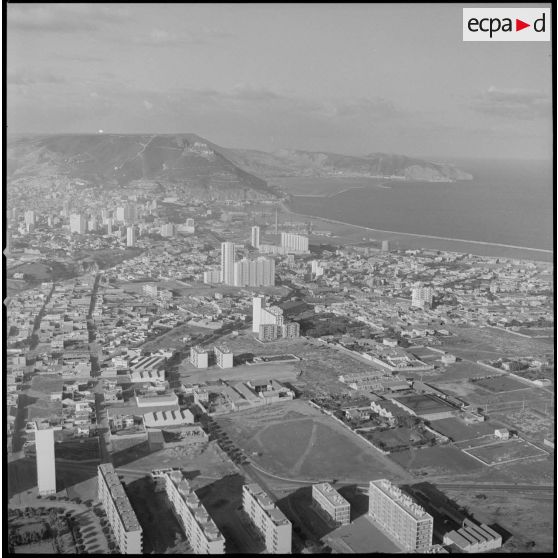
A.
x: 308, y: 163
x: 184, y: 160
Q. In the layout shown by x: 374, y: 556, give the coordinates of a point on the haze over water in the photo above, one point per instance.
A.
x: 508, y: 202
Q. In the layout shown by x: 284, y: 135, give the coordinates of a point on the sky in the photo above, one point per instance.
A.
x: 344, y: 78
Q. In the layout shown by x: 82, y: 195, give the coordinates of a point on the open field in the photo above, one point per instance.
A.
x: 425, y: 404
x: 476, y: 395
x: 531, y: 421
x: 488, y: 343
x: 281, y: 371
x: 458, y: 431
x: 437, y: 461
x: 80, y: 450
x: 461, y: 370
x: 42, y: 547
x: 500, y: 384
x: 294, y: 440
x: 504, y: 451
x: 208, y: 460
x: 527, y: 518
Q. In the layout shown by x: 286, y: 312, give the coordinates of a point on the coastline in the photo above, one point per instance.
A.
x: 477, y: 247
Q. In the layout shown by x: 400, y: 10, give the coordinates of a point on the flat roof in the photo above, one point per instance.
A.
x: 330, y: 493
x: 267, y: 504
x: 197, y: 509
x: 404, y: 501
x: 119, y: 497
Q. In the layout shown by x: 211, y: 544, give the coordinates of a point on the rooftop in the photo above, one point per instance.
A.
x: 400, y: 498
x: 330, y: 493
x: 266, y: 503
x: 123, y: 506
x: 200, y: 514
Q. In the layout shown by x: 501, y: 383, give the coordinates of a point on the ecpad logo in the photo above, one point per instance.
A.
x: 506, y: 24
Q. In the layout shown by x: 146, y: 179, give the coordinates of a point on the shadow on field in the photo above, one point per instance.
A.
x: 243, y: 358
x: 447, y: 514
x: 137, y: 451
x: 161, y: 529
x: 357, y: 498
x: 310, y: 523
x: 223, y: 501
x: 506, y: 535
x: 21, y: 476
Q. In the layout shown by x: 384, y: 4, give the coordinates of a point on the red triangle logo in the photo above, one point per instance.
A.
x: 519, y: 25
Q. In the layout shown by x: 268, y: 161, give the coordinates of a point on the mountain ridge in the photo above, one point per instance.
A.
x: 191, y: 163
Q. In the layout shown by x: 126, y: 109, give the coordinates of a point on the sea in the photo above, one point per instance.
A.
x: 507, y: 202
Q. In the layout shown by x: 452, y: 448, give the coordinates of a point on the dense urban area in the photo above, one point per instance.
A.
x: 190, y: 374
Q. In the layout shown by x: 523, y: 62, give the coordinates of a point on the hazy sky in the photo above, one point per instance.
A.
x: 348, y: 78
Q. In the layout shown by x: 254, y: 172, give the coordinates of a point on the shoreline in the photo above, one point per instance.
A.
x: 539, y: 251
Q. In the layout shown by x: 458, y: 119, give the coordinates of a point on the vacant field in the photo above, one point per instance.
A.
x: 42, y: 547
x: 437, y: 461
x: 425, y: 404
x: 504, y: 451
x: 459, y: 431
x: 532, y: 422
x: 526, y: 518
x: 208, y: 460
x: 281, y: 371
x: 500, y: 383
x: 296, y: 441
x: 83, y: 449
x: 483, y: 343
x: 461, y: 370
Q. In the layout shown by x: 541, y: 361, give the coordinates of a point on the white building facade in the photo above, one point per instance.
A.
x: 268, y: 519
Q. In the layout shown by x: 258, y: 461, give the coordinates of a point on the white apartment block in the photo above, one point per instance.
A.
x: 290, y: 330
x: 121, y: 516
x: 268, y: 519
x: 294, y: 242
x: 201, y: 531
x: 332, y: 502
x: 224, y: 357
x: 150, y: 290
x: 131, y: 236
x: 271, y: 315
x: 255, y: 240
x: 78, y: 223
x: 268, y: 332
x: 254, y: 273
x: 46, y: 468
x: 167, y: 230
x: 399, y: 516
x: 199, y: 357
x: 227, y: 263
x: 257, y: 303
x: 421, y: 296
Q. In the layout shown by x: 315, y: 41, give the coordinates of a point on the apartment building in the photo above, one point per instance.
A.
x: 201, y: 531
x: 224, y: 357
x: 121, y: 516
x: 275, y: 528
x: 332, y: 502
x: 294, y: 242
x: 199, y: 357
x: 399, y: 516
x: 46, y: 467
